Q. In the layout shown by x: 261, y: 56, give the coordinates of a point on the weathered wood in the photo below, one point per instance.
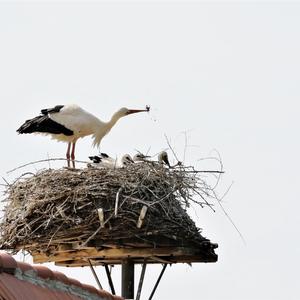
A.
x: 160, y: 260
x: 111, y: 253
x: 101, y: 217
x: 142, y: 216
x: 65, y: 247
x: 117, y: 201
x: 128, y: 279
x: 138, y: 260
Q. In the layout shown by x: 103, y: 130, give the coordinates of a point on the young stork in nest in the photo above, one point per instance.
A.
x: 140, y: 157
x: 163, y: 158
x: 68, y: 123
x: 105, y: 161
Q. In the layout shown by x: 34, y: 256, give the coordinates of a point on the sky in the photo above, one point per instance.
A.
x: 224, y: 74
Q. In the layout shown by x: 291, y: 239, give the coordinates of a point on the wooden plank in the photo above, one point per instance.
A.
x: 65, y: 247
x: 111, y: 253
x: 139, y: 260
x: 160, y: 260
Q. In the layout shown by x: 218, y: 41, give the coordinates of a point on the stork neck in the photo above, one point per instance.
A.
x: 104, y: 127
x: 114, y: 119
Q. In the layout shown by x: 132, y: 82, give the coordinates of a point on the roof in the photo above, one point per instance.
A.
x: 20, y: 280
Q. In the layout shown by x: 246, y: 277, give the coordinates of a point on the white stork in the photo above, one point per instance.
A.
x: 140, y: 157
x: 163, y: 158
x: 105, y: 161
x: 68, y: 123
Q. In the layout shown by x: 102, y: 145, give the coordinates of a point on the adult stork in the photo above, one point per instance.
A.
x: 68, y: 123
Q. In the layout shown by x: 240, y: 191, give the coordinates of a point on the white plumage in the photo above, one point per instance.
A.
x: 81, y: 122
x: 105, y: 161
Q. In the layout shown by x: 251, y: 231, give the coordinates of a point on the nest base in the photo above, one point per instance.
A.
x: 107, y: 215
x: 81, y: 257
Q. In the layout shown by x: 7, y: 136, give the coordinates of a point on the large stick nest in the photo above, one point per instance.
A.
x: 54, y: 207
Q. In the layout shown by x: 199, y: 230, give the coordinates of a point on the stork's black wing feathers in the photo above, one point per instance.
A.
x: 44, y: 124
x: 55, y: 109
x: 96, y: 159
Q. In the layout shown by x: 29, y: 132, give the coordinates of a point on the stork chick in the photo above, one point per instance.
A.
x: 163, y: 158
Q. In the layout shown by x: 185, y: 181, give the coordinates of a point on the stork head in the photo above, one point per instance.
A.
x: 124, y: 111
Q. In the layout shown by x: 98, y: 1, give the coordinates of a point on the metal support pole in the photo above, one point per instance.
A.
x: 128, y: 279
x: 139, y: 291
x: 109, y: 280
x: 95, y: 275
x: 158, y: 280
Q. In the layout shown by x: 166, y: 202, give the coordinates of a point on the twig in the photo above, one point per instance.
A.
x: 44, y: 160
x: 171, y: 147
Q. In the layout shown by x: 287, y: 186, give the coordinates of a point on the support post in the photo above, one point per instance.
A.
x: 95, y: 275
x: 158, y: 280
x: 139, y: 291
x: 128, y: 279
x: 109, y: 279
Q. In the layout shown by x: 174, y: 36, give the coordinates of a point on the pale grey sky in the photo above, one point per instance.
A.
x: 227, y: 72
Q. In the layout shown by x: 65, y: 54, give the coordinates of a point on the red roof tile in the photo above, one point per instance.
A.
x: 44, y: 272
x: 90, y: 288
x: 75, y: 282
x: 20, y: 280
x: 61, y: 277
x: 24, y: 266
x: 7, y: 262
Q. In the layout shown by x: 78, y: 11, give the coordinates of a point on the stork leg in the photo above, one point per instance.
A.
x: 68, y: 154
x: 73, y: 154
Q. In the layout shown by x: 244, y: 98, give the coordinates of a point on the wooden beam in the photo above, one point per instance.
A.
x: 128, y: 279
x: 170, y: 260
x: 160, y: 260
x: 111, y: 253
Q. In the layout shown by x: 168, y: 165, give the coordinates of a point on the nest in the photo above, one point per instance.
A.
x: 142, y: 205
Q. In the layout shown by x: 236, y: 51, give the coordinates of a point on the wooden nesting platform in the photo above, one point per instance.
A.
x: 114, y: 256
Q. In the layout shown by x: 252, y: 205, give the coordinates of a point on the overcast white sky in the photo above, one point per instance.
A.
x: 228, y: 73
